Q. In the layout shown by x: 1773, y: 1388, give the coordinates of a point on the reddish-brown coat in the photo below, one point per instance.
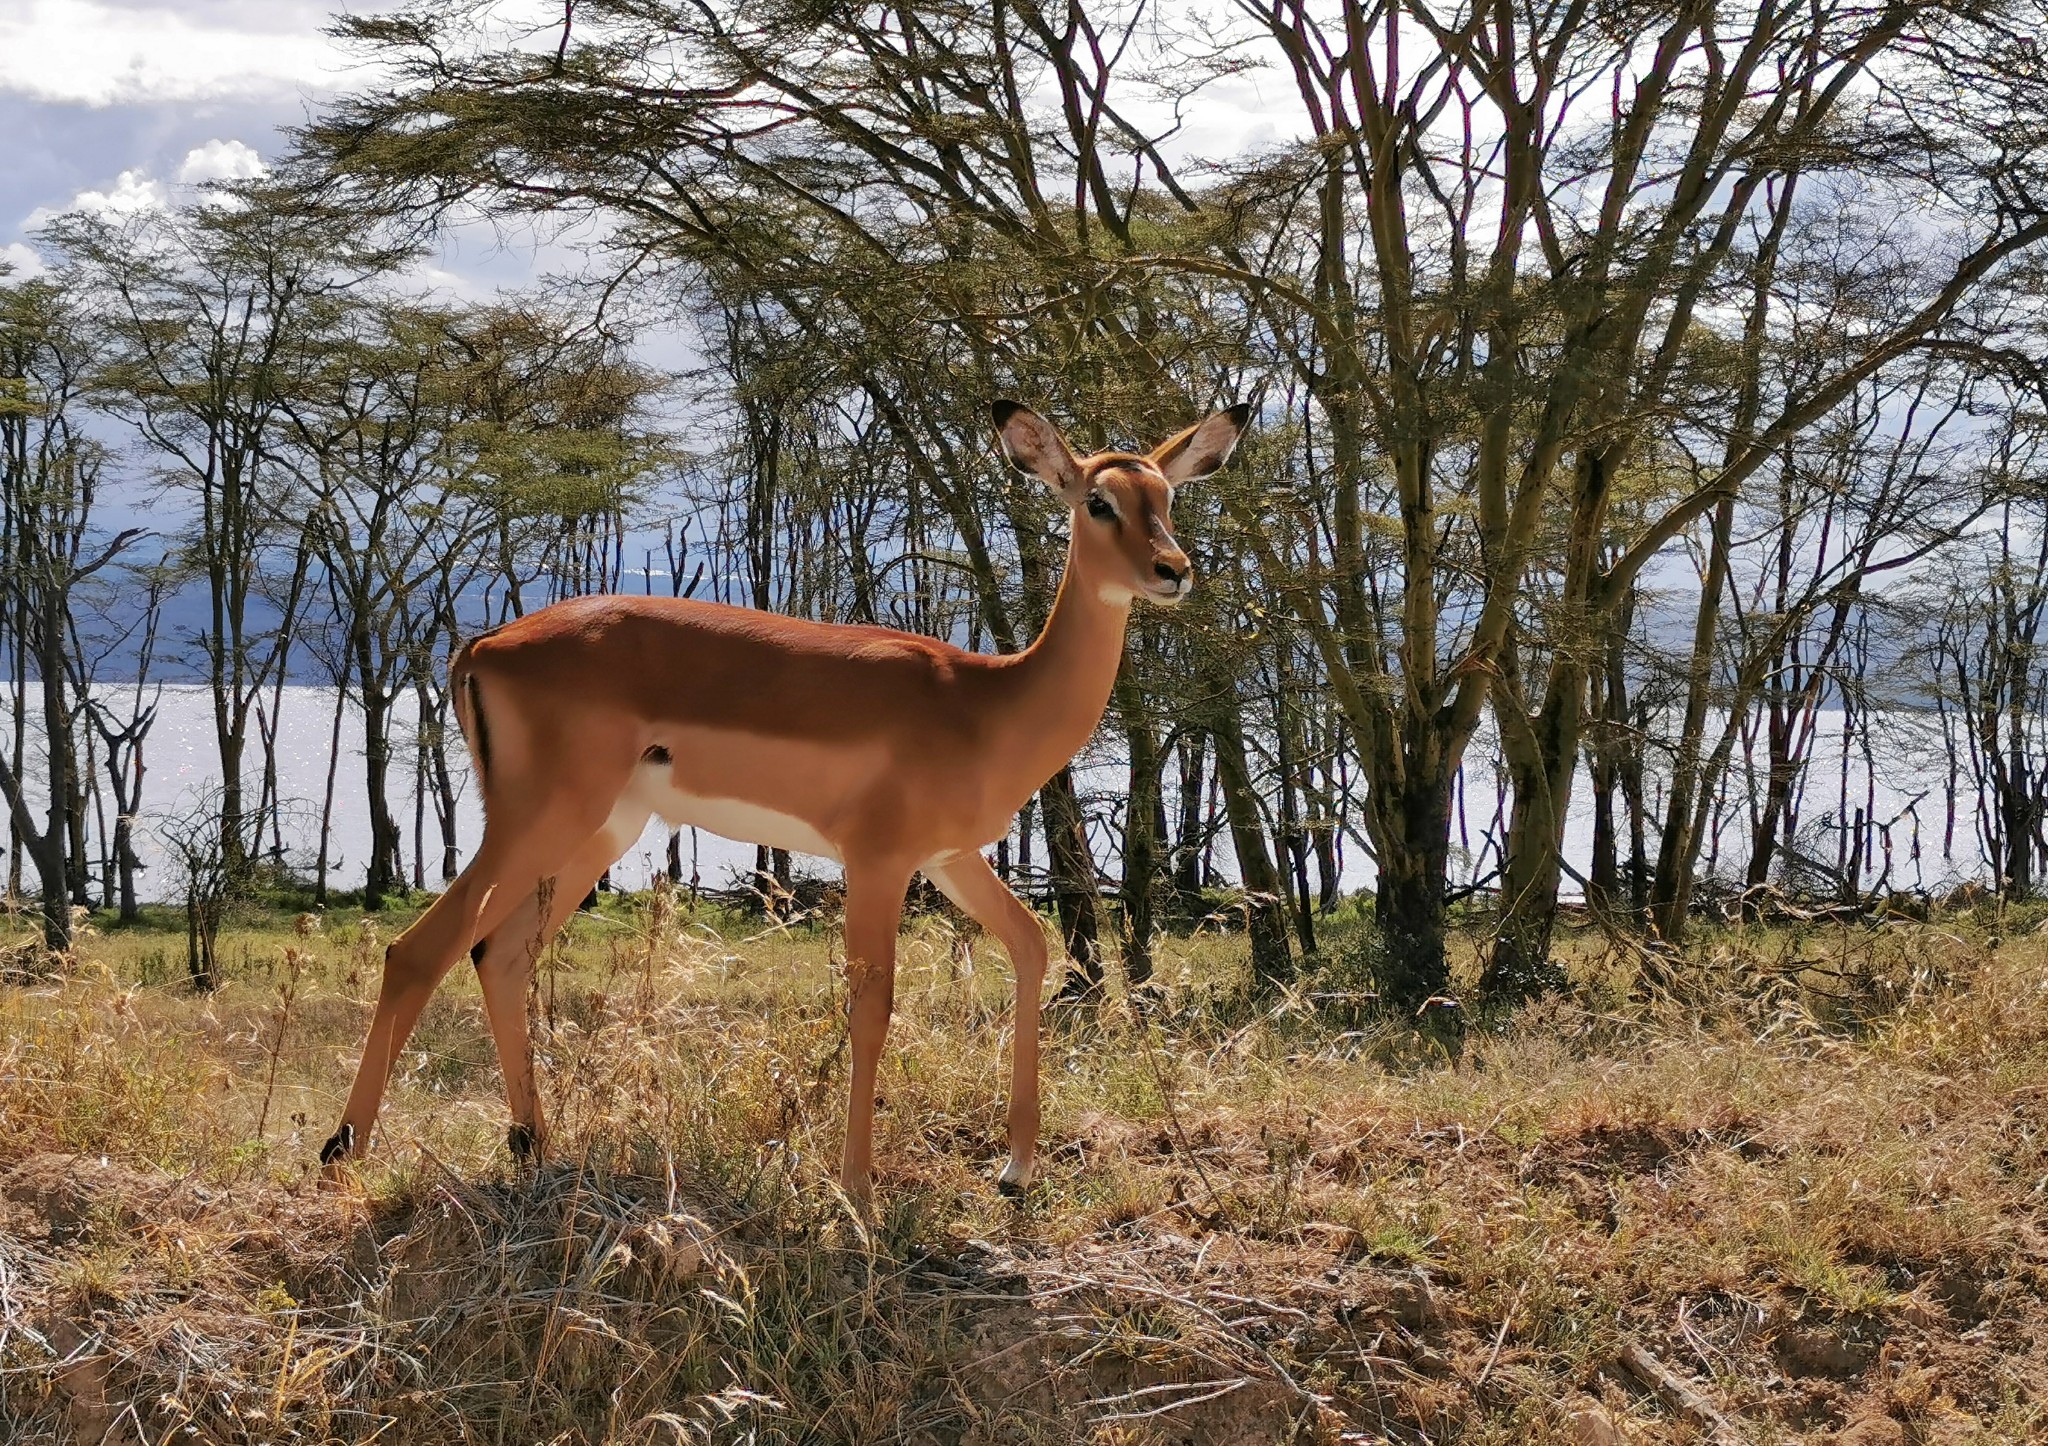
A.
x: 899, y: 752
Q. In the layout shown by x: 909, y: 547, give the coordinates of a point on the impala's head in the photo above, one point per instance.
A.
x: 1123, y: 501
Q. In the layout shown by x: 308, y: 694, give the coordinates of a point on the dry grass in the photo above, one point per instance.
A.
x: 1815, y: 1189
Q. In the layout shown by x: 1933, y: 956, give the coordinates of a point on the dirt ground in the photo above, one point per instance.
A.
x: 1811, y: 1212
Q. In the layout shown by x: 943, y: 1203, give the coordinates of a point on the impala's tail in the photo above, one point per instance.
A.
x: 469, y: 714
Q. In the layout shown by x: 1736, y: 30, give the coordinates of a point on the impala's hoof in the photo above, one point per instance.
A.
x: 524, y: 1144
x: 334, y: 1158
x: 1015, y: 1178
x: 340, y: 1145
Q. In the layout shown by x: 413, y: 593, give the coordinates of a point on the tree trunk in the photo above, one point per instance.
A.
x: 1071, y: 866
x: 433, y: 706
x: 202, y: 939
x: 2016, y: 877
x: 77, y: 812
x: 232, y: 732
x: 1611, y: 744
x: 1292, y: 835
x: 1141, y: 839
x: 1329, y: 874
x: 1541, y: 755
x: 419, y: 813
x: 327, y: 795
x: 1638, y: 844
x: 1678, y: 847
x: 24, y: 644
x: 1541, y: 746
x: 126, y: 863
x: 54, y: 855
x: 1603, y: 878
x: 1412, y: 828
x: 1778, y: 779
x: 1265, y: 905
x: 109, y: 885
x: 1187, y: 848
x: 386, y: 846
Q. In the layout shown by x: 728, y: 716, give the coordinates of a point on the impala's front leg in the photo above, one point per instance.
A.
x: 874, y: 911
x: 970, y: 882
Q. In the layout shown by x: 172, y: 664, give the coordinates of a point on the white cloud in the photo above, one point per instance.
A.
x: 136, y: 190
x: 422, y: 280
x: 220, y: 160
x: 92, y: 52
x: 133, y: 190
x: 25, y: 262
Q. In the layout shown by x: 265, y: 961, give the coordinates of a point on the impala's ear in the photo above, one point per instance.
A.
x: 1035, y: 447
x: 1192, y: 455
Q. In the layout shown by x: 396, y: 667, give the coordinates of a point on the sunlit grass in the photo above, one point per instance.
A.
x: 1835, y: 1142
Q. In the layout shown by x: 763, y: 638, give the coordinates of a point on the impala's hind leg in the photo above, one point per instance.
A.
x: 874, y: 911
x: 515, y: 854
x: 414, y: 966
x: 504, y: 969
x: 970, y: 882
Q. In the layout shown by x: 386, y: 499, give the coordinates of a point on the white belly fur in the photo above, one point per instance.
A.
x: 651, y: 792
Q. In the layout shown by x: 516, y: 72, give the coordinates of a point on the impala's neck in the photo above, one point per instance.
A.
x: 1062, y: 681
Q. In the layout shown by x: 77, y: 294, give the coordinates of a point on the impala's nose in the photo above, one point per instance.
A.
x: 1174, y: 578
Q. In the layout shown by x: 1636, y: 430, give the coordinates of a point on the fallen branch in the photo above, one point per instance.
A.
x: 1500, y: 1337
x: 1190, y: 1394
x: 1680, y: 1395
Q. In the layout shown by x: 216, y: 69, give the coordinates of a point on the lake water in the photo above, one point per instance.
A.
x: 183, y: 765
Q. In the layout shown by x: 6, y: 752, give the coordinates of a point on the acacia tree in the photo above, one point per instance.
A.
x: 550, y: 428
x: 50, y: 472
x: 1984, y: 665
x: 1531, y: 226
x: 370, y: 442
x: 205, y: 311
x: 1892, y: 475
x: 123, y: 720
x: 1521, y: 263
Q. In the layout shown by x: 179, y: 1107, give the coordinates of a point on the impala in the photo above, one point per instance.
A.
x: 888, y: 752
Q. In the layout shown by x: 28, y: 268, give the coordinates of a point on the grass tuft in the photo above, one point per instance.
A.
x: 1803, y: 1172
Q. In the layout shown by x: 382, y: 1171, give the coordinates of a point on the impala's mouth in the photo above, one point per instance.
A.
x: 1170, y: 593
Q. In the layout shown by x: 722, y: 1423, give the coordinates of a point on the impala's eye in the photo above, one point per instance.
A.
x: 1098, y: 506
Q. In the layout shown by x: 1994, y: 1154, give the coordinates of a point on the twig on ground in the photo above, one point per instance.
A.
x: 1680, y: 1395
x: 1192, y: 1393
x: 1500, y: 1336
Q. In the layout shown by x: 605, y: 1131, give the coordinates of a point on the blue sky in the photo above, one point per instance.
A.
x: 126, y: 103
x: 123, y: 102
